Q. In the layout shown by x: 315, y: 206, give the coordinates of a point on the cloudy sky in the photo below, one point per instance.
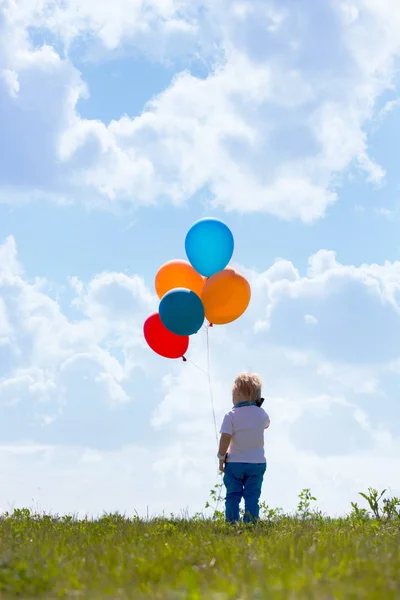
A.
x: 121, y: 124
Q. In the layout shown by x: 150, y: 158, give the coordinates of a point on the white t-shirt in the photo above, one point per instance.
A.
x: 246, y: 425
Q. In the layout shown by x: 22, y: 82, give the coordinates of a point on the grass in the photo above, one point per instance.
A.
x: 303, y: 556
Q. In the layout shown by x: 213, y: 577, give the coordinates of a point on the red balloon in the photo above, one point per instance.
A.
x: 162, y: 341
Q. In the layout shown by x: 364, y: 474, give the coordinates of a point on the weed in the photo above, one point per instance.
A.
x: 382, y: 508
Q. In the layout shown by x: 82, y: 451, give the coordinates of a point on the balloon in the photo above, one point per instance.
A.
x: 209, y: 246
x: 226, y: 296
x: 163, y: 341
x: 182, y: 311
x: 178, y: 274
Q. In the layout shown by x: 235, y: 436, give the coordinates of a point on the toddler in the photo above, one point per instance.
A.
x: 241, y: 449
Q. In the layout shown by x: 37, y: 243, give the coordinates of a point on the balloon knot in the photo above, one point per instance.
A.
x: 211, y: 325
x: 184, y: 359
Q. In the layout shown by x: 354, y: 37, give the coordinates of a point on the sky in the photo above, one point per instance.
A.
x: 122, y: 124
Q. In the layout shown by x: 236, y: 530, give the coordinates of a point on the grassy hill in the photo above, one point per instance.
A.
x: 303, y: 556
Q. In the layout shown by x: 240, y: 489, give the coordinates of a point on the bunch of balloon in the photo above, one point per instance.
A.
x: 202, y: 288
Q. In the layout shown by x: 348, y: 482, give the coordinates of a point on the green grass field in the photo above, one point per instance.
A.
x: 305, y: 556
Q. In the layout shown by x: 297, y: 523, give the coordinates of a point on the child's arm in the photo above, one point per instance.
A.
x: 226, y: 432
x: 224, y: 442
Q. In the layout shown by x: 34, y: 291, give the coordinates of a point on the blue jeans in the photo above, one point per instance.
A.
x: 243, y: 480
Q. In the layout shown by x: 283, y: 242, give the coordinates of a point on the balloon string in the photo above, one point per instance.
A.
x: 210, y: 383
x: 196, y: 366
x: 208, y: 374
x: 212, y: 406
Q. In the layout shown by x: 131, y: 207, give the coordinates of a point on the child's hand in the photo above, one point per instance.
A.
x: 222, y: 466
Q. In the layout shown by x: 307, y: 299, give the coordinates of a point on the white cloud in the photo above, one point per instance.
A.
x: 136, y: 22
x: 5, y: 327
x: 11, y: 81
x: 279, y: 119
x: 385, y: 212
x: 310, y: 320
x: 360, y: 289
x: 111, y: 298
x: 50, y: 362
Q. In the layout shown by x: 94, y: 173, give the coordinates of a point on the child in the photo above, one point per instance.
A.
x: 241, y: 449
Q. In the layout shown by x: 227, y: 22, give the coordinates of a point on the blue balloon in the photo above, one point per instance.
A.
x: 209, y: 246
x: 181, y: 311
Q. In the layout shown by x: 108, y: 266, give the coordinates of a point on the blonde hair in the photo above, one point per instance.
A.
x: 247, y: 386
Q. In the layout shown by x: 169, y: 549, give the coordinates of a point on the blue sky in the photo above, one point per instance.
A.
x: 120, y: 127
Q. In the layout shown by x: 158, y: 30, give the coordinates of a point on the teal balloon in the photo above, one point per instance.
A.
x: 181, y: 311
x: 209, y: 246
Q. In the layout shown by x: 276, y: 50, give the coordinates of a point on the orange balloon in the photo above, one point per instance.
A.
x: 178, y: 274
x: 226, y: 296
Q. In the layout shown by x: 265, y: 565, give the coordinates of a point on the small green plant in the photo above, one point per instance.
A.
x: 391, y: 508
x: 20, y: 514
x: 373, y: 498
x: 387, y: 509
x: 304, y: 509
x: 358, y: 514
x: 270, y: 514
x: 217, y: 498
